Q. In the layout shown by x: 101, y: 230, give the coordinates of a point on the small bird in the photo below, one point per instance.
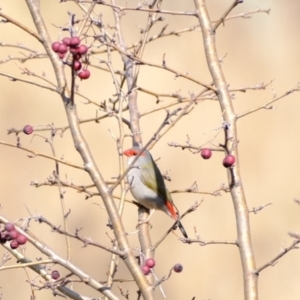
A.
x: 148, y: 186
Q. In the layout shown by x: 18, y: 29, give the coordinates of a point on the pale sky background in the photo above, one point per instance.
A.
x: 258, y: 50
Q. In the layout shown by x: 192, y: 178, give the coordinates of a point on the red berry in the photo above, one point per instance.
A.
x: 84, y: 74
x: 13, y: 234
x: 82, y: 49
x: 74, y: 50
x: 21, y: 239
x: 145, y: 270
x: 228, y: 161
x: 55, y: 46
x: 62, y: 49
x: 150, y: 262
x: 75, y: 41
x: 55, y: 274
x: 77, y: 65
x: 66, y: 41
x: 206, y: 153
x: 28, y: 129
x: 14, y: 244
x: 9, y: 226
x: 178, y: 268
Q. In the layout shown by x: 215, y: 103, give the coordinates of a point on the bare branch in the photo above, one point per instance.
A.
x: 234, y: 177
x: 43, y: 155
x: 20, y: 25
x: 274, y: 260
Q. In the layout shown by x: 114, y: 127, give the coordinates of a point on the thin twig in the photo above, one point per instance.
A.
x: 67, y: 163
x: 274, y: 260
x: 20, y: 25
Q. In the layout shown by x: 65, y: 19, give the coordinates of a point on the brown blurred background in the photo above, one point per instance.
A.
x: 260, y: 49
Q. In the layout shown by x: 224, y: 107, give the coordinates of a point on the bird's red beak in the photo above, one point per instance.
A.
x: 132, y: 152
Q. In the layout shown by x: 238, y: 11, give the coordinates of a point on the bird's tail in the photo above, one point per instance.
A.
x: 172, y: 210
x: 182, y: 230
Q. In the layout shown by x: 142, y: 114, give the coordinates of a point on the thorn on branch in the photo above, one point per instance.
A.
x: 166, y: 176
x: 226, y: 126
x: 269, y: 107
x: 77, y: 230
x: 191, y: 209
x: 297, y: 201
x: 164, y: 60
x: 67, y: 214
x: 255, y: 210
x: 294, y: 235
x: 109, y: 224
x: 193, y: 188
x: 18, y: 142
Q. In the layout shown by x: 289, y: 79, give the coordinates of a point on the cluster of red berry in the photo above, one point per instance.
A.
x: 77, y: 50
x: 228, y: 161
x: 11, y: 234
x: 150, y: 263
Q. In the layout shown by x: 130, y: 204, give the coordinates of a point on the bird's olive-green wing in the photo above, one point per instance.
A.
x: 153, y: 179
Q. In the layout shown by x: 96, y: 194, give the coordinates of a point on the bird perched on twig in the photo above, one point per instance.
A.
x: 148, y: 186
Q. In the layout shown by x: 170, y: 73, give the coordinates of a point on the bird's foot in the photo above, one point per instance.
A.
x: 143, y: 222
